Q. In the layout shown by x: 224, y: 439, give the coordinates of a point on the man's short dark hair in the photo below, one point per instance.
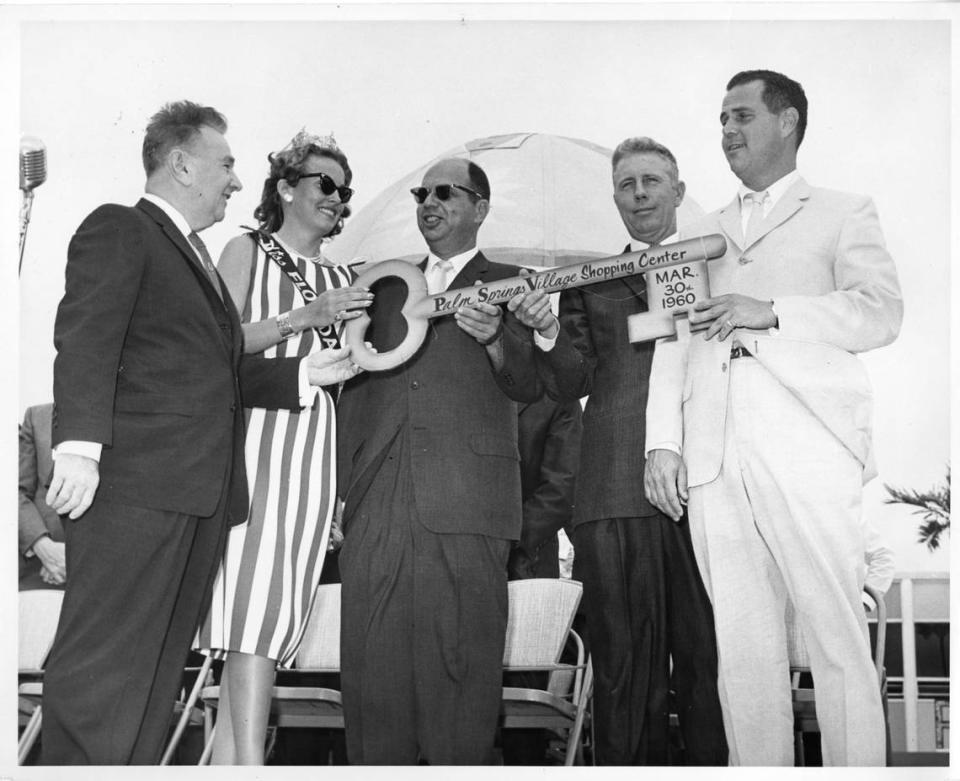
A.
x: 779, y: 92
x: 478, y: 179
x: 177, y: 124
x: 639, y: 145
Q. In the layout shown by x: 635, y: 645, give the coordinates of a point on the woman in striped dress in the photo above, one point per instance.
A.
x: 264, y: 589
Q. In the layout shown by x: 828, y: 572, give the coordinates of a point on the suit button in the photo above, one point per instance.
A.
x: 724, y: 367
x: 414, y: 385
x: 743, y: 260
x: 233, y: 407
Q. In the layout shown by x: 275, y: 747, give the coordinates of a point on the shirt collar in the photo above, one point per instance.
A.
x: 637, y: 246
x: 171, y: 211
x: 458, y: 261
x: 775, y: 191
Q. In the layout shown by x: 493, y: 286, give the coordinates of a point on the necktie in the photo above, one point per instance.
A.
x: 440, y: 276
x: 756, y: 216
x: 201, y: 249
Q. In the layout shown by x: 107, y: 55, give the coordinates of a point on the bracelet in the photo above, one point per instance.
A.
x: 283, y: 325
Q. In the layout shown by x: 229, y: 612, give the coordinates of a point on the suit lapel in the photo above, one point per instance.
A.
x: 186, y: 250
x: 791, y: 202
x: 730, y: 222
x: 475, y: 271
x: 220, y: 305
x: 637, y: 283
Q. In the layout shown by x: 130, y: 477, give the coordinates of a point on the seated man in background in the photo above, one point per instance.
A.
x: 40, y: 533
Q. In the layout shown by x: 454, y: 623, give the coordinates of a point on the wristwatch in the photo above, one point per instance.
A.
x: 283, y: 325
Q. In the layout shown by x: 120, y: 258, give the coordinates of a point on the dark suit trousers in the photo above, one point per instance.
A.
x: 424, y: 617
x: 645, y: 603
x: 138, y: 583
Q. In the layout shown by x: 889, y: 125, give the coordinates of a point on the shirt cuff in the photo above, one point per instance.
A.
x: 776, y: 314
x: 29, y: 553
x: 543, y: 342
x: 308, y: 392
x: 77, y: 448
x: 671, y: 446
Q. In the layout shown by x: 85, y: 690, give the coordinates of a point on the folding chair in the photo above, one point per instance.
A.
x: 539, y: 622
x: 319, y: 652
x: 39, y: 614
x: 185, y: 708
x: 804, y: 697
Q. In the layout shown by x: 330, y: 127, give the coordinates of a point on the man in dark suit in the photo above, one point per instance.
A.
x: 549, y: 438
x: 42, y: 559
x: 428, y: 472
x: 148, y: 444
x: 643, y: 598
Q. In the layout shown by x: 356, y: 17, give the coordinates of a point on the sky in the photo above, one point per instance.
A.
x: 400, y: 84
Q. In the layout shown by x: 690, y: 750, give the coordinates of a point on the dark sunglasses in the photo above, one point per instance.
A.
x: 329, y: 187
x: 443, y: 192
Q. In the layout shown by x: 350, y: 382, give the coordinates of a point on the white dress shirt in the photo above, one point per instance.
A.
x: 774, y: 193
x: 457, y: 262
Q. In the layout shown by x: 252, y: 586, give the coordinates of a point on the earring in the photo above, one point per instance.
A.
x: 288, y: 198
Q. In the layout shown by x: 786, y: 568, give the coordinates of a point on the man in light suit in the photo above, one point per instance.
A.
x: 428, y: 470
x: 762, y: 423
x: 42, y: 559
x: 148, y: 443
x: 646, y: 609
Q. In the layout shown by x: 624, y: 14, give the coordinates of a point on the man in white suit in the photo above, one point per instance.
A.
x: 765, y: 417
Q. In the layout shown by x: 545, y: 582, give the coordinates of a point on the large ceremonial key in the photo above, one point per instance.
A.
x: 671, y: 294
x: 675, y: 273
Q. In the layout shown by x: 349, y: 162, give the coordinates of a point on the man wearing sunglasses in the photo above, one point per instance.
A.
x: 428, y: 469
x: 643, y: 598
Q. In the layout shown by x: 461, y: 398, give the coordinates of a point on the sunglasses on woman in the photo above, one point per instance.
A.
x: 329, y: 187
x: 443, y: 192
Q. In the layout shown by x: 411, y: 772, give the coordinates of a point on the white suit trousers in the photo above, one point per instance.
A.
x: 783, y: 519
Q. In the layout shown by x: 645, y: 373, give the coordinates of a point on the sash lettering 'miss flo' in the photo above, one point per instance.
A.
x: 676, y: 277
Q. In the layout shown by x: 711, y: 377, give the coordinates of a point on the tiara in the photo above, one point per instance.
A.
x: 304, y: 139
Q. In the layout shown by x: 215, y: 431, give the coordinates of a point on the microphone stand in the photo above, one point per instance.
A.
x: 25, y: 206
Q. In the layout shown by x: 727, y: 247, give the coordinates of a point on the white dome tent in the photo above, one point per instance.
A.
x: 551, y: 205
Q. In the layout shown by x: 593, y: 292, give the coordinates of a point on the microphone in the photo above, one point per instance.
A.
x: 33, y: 163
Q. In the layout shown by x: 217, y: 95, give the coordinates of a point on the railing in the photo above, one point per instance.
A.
x: 916, y: 598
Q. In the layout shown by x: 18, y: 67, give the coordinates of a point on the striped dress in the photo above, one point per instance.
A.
x: 264, y: 588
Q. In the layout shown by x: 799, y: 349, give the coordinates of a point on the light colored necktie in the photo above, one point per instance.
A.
x: 756, y: 216
x: 207, y: 263
x: 440, y: 276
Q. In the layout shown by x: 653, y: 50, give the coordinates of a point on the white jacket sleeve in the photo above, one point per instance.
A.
x: 664, y: 414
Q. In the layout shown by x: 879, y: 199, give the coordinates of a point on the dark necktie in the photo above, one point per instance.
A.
x: 207, y: 263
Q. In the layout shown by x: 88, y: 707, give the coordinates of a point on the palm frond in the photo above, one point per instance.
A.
x: 933, y: 505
